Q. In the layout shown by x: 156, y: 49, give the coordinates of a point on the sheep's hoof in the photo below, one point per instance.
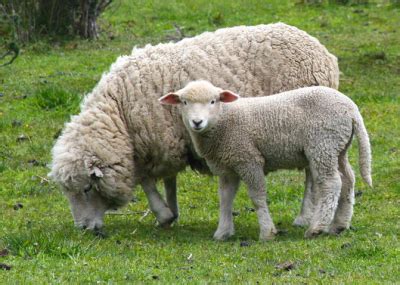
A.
x: 222, y: 235
x: 337, y: 230
x: 268, y: 235
x: 99, y: 233
x: 313, y: 233
x: 166, y: 218
x: 89, y: 225
x: 301, y: 221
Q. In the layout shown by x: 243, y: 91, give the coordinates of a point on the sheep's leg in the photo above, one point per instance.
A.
x: 163, y: 214
x: 344, y: 211
x: 328, y: 187
x: 88, y: 209
x: 253, y: 176
x: 307, y: 205
x: 228, y: 186
x: 170, y: 192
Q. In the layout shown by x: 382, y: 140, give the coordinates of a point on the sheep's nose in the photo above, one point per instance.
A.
x: 197, y: 122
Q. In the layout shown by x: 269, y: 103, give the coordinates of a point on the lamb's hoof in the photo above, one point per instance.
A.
x: 268, y: 235
x: 222, y: 235
x: 301, y: 221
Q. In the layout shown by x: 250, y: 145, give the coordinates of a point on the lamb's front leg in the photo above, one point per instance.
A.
x: 307, y: 205
x: 160, y: 209
x: 228, y: 186
x: 253, y: 176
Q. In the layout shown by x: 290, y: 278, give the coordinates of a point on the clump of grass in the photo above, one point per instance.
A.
x: 30, y: 244
x: 217, y: 19
x: 56, y: 98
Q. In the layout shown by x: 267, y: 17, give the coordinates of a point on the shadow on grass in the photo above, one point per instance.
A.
x: 194, y: 232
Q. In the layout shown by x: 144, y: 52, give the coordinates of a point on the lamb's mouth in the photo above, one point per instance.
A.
x: 198, y: 129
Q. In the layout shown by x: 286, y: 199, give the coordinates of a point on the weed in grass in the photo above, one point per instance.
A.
x: 54, y: 98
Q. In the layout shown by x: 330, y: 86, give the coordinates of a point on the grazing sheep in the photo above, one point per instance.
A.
x: 311, y: 128
x: 123, y: 137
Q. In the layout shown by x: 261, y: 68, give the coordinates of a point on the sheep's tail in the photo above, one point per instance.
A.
x: 364, y: 148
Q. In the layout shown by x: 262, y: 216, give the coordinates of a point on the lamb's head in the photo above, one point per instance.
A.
x: 201, y: 104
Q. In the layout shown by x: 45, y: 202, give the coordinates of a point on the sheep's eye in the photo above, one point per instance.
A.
x: 212, y: 101
x: 184, y: 102
x: 87, y: 188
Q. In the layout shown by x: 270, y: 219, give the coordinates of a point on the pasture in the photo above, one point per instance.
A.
x: 43, y: 87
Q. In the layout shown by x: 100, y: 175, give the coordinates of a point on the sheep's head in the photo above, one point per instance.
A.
x: 201, y: 104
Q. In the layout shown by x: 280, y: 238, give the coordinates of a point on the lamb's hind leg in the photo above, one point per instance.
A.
x: 307, y: 205
x: 163, y: 214
x: 344, y: 210
x: 228, y: 186
x: 328, y: 187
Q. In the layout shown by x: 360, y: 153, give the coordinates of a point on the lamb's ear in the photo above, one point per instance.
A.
x: 170, y: 99
x: 227, y: 96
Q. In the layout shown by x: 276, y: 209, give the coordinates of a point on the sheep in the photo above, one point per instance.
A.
x: 122, y: 137
x: 244, y: 139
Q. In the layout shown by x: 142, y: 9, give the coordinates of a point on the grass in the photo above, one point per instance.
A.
x: 43, y: 87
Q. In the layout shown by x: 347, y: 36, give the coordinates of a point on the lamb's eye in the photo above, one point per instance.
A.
x: 184, y: 102
x: 212, y: 101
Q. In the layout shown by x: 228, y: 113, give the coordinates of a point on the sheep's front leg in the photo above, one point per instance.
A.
x: 253, y: 176
x: 228, y: 186
x: 170, y: 192
x: 160, y: 209
x: 307, y: 205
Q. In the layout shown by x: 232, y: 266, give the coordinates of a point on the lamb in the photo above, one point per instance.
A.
x: 123, y: 137
x: 310, y: 128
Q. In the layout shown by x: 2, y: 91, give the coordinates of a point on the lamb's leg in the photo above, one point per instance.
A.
x: 170, y: 192
x: 88, y: 209
x: 253, y: 176
x: 344, y: 211
x: 228, y: 186
x: 307, y: 205
x: 328, y: 187
x: 163, y: 214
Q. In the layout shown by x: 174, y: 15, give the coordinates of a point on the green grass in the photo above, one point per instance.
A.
x: 43, y: 87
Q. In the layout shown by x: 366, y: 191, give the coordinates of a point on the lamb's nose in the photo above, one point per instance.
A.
x: 197, y: 122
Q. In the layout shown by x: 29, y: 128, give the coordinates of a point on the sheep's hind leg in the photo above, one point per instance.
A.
x: 228, y: 186
x: 253, y: 176
x: 170, y: 192
x: 328, y: 187
x: 160, y: 209
x: 307, y: 205
x: 344, y: 211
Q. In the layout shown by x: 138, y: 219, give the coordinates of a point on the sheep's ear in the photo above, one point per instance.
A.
x: 95, y: 172
x: 170, y: 99
x: 227, y: 96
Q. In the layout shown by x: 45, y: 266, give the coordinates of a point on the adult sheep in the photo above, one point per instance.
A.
x: 123, y: 137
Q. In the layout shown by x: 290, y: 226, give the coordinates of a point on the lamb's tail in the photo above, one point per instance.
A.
x: 364, y: 148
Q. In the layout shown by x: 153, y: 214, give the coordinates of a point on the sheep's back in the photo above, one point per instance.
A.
x: 251, y: 61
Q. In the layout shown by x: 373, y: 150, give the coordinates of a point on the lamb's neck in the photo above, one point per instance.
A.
x: 204, y: 143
